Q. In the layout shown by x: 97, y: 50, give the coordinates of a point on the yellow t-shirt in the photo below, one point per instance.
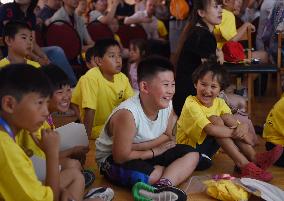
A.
x: 24, y: 140
x: 162, y: 29
x: 18, y: 178
x: 274, y: 126
x: 227, y: 29
x: 194, y: 117
x: 93, y: 91
x: 5, y: 61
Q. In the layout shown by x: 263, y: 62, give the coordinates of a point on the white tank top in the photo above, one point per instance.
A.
x: 146, y: 129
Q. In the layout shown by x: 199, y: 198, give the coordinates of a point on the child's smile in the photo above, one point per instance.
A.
x: 207, y: 89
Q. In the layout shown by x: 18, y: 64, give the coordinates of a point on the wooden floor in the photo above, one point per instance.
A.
x: 222, y: 164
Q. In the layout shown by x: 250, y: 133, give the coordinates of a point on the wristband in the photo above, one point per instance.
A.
x: 153, y: 153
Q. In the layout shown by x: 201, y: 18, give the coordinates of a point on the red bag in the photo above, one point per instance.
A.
x: 233, y: 52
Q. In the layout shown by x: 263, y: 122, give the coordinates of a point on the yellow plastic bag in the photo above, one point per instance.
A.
x: 225, y: 190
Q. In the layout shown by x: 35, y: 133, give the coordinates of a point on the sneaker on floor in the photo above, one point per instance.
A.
x: 106, y: 194
x: 250, y: 170
x: 89, y: 177
x: 142, y: 191
x: 266, y: 159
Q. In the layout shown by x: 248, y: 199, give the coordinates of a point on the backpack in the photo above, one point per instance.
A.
x: 179, y: 9
x: 233, y: 52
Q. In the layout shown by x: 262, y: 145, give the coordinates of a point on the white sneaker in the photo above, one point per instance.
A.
x: 106, y: 194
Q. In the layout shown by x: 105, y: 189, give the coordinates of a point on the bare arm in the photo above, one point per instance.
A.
x: 89, y: 120
x: 220, y: 131
x: 134, y: 19
x: 242, y: 30
x: 122, y: 128
x: 168, y: 135
x: 49, y: 143
x: 37, y: 54
x: 106, y: 19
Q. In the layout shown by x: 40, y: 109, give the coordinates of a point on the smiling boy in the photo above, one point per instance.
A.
x: 137, y: 142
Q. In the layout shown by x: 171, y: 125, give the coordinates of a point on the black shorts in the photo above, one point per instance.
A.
x: 206, y: 150
x: 131, y: 172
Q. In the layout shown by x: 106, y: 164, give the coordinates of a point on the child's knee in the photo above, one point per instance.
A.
x: 156, y: 174
x: 216, y: 120
x: 71, y: 163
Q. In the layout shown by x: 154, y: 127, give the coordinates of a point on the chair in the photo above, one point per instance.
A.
x: 98, y: 30
x: 62, y: 34
x: 250, y: 69
x: 131, y: 32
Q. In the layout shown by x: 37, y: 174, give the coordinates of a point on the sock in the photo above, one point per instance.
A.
x: 163, y: 182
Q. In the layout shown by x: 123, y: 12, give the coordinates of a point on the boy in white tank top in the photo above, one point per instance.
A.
x: 137, y: 142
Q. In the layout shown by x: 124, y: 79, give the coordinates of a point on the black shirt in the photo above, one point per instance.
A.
x: 200, y: 43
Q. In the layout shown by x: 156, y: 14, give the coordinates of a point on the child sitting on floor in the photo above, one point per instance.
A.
x: 101, y: 89
x: 206, y: 124
x: 59, y: 102
x: 137, y: 142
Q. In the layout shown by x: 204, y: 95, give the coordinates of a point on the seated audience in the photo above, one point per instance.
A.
x: 147, y: 19
x: 67, y: 14
x: 48, y: 10
x: 24, y: 11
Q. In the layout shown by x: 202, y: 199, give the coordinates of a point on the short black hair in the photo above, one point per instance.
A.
x: 102, y: 45
x: 13, y: 27
x: 57, y: 77
x: 19, y: 79
x: 217, y: 70
x: 90, y: 53
x: 150, y: 66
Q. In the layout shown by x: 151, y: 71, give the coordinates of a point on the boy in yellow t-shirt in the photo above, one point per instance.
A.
x: 273, y: 132
x: 24, y: 98
x: 18, y: 38
x: 206, y: 123
x: 101, y: 89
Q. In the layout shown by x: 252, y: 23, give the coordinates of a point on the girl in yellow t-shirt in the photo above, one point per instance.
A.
x: 206, y: 123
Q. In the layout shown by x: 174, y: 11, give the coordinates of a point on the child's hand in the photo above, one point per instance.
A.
x: 240, y: 132
x: 49, y: 142
x: 66, y: 195
x: 163, y: 148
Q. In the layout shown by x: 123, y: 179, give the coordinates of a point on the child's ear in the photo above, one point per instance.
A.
x: 8, y: 104
x: 98, y: 61
x: 7, y: 40
x: 143, y: 87
x: 195, y: 85
x: 201, y: 13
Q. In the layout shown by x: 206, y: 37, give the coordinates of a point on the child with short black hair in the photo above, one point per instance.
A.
x: 18, y: 38
x: 206, y: 124
x: 90, y: 58
x: 137, y: 142
x: 101, y: 89
x: 24, y: 94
